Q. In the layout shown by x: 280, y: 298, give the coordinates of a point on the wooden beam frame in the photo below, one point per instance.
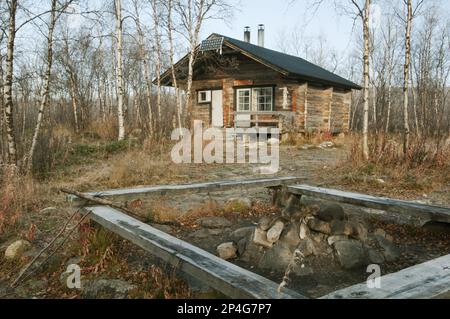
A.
x: 422, y: 212
x: 211, y: 270
x: 424, y: 281
x: 130, y: 193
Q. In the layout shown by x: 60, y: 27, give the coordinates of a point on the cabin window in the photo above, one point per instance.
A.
x: 243, y: 100
x: 264, y: 99
x: 259, y: 99
x: 204, y: 97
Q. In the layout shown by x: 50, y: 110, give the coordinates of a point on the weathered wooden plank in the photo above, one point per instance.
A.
x: 428, y: 280
x: 129, y: 193
x: 423, y: 212
x: 213, y: 271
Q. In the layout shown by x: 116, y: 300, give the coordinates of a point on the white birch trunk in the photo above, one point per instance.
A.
x: 406, y: 78
x: 366, y: 79
x: 9, y: 105
x: 46, y: 88
x: 119, y: 52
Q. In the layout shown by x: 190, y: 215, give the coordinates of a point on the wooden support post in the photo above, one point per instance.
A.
x: 161, y: 190
x: 422, y: 212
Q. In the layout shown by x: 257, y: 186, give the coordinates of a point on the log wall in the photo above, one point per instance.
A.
x: 306, y: 107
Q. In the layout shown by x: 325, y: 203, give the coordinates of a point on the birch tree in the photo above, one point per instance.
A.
x: 145, y: 66
x: 170, y: 31
x: 9, y: 105
x: 192, y: 15
x: 410, y: 14
x: 45, y: 96
x: 156, y: 12
x: 363, y: 12
x: 119, y: 63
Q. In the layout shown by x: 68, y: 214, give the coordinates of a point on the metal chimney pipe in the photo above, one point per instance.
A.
x: 261, y: 29
x: 247, y: 34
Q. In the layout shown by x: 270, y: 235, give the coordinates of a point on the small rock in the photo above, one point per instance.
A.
x: 331, y: 212
x: 326, y: 144
x: 206, y: 233
x: 307, y: 147
x: 390, y: 252
x: 304, y: 231
x: 227, y: 250
x: 242, y: 245
x: 382, y: 233
x: 48, y: 210
x: 306, y: 247
x: 107, y: 289
x: 241, y: 233
x: 360, y: 231
x: 17, y: 249
x: 350, y: 253
x: 375, y: 256
x: 264, y: 223
x: 319, y: 226
x: 273, y: 234
x: 332, y: 239
x: 260, y: 238
x: 318, y: 237
x: 337, y: 227
x: 290, y: 236
x: 214, y: 222
x: 277, y: 258
x: 74, y: 261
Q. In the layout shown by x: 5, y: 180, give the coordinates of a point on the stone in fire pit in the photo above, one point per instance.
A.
x: 325, y: 232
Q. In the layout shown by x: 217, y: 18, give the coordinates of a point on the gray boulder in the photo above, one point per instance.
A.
x: 274, y: 233
x: 390, y: 251
x: 204, y: 233
x: 214, y: 222
x: 264, y: 223
x: 375, y: 257
x: 227, y: 250
x: 260, y: 238
x: 277, y: 258
x: 319, y: 226
x: 331, y: 212
x: 350, y: 253
x: 242, y: 232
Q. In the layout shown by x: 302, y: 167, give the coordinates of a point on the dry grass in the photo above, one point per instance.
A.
x: 425, y: 168
x: 19, y: 195
x: 313, y: 139
x: 104, y: 130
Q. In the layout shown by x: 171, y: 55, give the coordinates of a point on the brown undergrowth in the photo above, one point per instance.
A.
x: 425, y: 168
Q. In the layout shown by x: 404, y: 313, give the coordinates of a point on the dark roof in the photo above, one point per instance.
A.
x: 292, y: 64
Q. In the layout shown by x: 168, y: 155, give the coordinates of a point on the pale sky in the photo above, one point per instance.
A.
x: 286, y: 14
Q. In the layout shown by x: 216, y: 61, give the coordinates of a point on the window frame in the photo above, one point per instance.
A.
x: 257, y: 102
x: 238, y: 103
x: 254, y: 103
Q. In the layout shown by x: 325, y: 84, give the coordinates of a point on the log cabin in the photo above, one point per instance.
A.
x: 241, y: 85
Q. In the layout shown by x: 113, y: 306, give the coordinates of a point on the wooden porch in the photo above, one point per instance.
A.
x: 268, y: 119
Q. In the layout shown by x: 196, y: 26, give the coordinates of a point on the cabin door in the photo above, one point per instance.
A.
x: 216, y: 109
